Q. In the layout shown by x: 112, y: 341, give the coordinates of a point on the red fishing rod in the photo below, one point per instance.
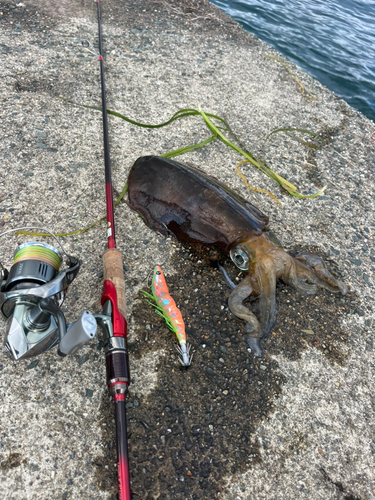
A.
x: 113, y: 320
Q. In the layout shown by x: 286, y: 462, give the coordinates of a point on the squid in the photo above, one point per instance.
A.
x: 183, y: 201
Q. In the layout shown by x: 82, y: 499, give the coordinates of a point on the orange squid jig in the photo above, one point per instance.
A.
x: 166, y: 308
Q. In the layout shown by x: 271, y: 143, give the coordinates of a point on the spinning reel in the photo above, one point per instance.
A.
x: 31, y: 295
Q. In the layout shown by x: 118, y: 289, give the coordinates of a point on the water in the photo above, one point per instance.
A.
x: 332, y: 40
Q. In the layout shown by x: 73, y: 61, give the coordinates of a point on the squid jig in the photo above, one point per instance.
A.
x: 166, y: 308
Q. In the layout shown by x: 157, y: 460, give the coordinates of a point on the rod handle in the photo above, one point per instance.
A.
x: 114, y: 272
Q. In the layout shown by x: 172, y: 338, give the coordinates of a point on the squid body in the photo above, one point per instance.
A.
x: 194, y: 207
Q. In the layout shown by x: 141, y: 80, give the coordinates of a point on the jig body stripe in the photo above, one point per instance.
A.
x: 165, y: 305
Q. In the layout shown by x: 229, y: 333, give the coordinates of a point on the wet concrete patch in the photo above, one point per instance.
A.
x: 12, y: 461
x: 198, y: 427
x: 312, y: 321
x: 341, y: 490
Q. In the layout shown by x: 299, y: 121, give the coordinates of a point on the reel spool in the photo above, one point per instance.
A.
x: 34, y: 263
x: 31, y: 295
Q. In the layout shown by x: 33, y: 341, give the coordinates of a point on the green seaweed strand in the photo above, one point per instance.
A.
x: 217, y: 133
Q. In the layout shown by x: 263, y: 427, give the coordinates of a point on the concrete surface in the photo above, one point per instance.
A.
x: 318, y: 442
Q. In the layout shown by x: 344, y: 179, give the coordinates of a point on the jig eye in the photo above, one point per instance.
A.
x: 240, y: 257
x: 158, y: 272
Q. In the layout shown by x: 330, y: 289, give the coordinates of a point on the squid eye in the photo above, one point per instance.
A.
x: 240, y: 257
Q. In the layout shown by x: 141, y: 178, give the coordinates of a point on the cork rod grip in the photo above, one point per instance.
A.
x: 114, y: 272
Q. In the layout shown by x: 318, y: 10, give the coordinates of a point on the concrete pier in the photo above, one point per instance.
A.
x: 297, y: 424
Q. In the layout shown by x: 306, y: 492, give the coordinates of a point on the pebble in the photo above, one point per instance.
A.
x: 210, y: 371
x: 33, y: 364
x: 89, y: 393
x: 83, y: 359
x: 356, y: 262
x: 222, y: 349
x: 366, y: 279
x: 225, y: 392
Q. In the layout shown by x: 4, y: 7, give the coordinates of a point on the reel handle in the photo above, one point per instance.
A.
x: 78, y: 334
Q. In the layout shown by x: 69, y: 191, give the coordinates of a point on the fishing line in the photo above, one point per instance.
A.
x: 83, y: 165
x: 38, y: 251
x: 19, y: 230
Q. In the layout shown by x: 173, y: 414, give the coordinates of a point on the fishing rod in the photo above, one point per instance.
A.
x: 34, y: 289
x: 112, y: 320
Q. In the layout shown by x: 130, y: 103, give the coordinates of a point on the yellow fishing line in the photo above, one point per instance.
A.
x: 305, y: 91
x: 78, y: 231
x: 257, y: 190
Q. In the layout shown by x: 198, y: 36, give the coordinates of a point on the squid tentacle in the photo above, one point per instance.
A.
x: 300, y: 276
x: 226, y: 276
x: 323, y: 277
x: 236, y: 307
x: 253, y: 327
x: 307, y: 271
x: 267, y: 304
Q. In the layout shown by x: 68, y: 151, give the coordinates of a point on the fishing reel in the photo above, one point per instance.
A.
x: 31, y: 295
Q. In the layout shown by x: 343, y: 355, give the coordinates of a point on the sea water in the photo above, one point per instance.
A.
x: 332, y: 40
